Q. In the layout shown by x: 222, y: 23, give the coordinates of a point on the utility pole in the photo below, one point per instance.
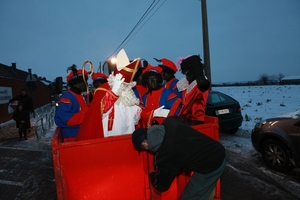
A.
x: 205, y: 40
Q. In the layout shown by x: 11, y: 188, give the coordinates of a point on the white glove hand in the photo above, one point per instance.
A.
x: 160, y: 112
x: 117, y: 83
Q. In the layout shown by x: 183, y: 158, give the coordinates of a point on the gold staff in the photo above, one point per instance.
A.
x: 91, y: 72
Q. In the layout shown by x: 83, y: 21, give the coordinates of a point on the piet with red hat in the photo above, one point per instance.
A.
x: 72, y: 105
x: 158, y: 96
x: 152, y: 77
x: 168, y: 66
x: 168, y: 70
x: 75, y: 76
x: 98, y: 79
x: 196, y: 94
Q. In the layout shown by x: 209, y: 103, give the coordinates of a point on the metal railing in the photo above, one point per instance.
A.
x: 44, y: 121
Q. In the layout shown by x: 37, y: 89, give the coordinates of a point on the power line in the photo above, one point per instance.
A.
x: 149, y: 9
x: 144, y: 23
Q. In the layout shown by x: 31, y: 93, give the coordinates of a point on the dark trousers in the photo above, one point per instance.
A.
x: 24, y: 131
x: 201, y: 185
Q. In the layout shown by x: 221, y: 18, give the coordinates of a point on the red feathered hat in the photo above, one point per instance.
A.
x: 152, y: 71
x: 74, y: 75
x: 151, y: 68
x: 98, y: 76
x: 169, y: 64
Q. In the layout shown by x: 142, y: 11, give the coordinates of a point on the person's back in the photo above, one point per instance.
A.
x: 191, y: 150
x: 69, y: 105
x: 177, y: 146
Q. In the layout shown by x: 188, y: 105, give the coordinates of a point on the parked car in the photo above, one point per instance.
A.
x: 278, y: 141
x: 227, y: 109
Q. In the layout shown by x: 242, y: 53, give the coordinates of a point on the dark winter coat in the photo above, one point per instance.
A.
x: 26, y: 101
x: 184, y: 148
x: 20, y: 116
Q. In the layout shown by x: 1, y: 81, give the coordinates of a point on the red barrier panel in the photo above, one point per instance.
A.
x: 110, y: 168
x: 107, y: 168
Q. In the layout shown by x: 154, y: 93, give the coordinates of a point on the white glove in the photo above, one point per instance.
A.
x: 160, y: 112
x: 117, y: 83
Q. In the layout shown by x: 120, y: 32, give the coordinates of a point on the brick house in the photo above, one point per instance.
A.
x: 12, y: 80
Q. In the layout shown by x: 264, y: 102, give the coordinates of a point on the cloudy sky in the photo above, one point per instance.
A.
x: 246, y: 38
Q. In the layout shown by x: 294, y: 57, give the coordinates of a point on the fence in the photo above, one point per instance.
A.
x: 44, y: 121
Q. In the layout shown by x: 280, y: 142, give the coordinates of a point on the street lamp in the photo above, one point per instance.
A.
x: 109, y: 66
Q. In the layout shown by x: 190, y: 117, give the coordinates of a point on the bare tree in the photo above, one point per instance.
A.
x: 280, y: 77
x: 273, y: 79
x: 264, y: 78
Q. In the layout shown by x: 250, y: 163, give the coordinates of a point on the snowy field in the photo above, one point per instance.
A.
x: 259, y: 102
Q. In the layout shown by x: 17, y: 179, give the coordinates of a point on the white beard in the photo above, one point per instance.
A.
x: 126, y: 94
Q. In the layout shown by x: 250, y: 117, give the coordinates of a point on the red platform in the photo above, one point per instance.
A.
x: 110, y: 168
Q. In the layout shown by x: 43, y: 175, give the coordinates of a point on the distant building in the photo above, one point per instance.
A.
x: 291, y: 80
x: 12, y: 80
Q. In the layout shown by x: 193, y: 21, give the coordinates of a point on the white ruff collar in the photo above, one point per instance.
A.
x: 191, y: 86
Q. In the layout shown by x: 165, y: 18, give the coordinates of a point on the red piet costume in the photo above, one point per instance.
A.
x: 196, y: 94
x: 139, y: 90
x: 171, y: 84
x: 194, y: 103
x: 158, y: 97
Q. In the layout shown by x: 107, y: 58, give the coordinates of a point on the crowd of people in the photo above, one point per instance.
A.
x: 150, y: 103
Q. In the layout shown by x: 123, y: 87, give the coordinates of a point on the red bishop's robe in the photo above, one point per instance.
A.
x: 194, y: 103
x: 103, y: 100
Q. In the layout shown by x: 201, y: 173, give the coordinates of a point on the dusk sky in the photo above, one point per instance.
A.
x: 246, y: 38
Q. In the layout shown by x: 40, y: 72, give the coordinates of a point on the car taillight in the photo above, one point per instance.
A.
x: 239, y: 109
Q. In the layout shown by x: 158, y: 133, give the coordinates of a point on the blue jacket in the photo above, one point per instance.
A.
x: 69, y: 108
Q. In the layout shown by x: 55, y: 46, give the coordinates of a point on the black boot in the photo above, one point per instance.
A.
x: 25, y: 135
x: 20, y: 135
